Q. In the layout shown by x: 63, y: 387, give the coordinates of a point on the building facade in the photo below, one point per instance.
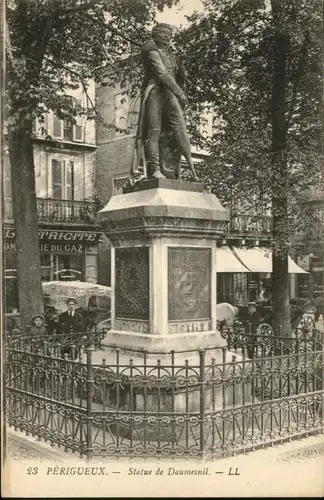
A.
x: 64, y: 159
x: 244, y: 263
x: 312, y: 260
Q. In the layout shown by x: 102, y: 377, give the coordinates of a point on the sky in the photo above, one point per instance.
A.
x: 176, y: 15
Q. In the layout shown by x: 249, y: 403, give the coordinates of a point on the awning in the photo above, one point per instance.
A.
x: 226, y: 262
x: 295, y: 268
x: 259, y: 260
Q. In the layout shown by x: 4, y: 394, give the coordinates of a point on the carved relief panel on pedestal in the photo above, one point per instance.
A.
x: 132, y: 288
x: 189, y: 283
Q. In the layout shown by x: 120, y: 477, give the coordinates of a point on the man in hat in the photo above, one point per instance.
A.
x: 163, y: 102
x: 71, y: 321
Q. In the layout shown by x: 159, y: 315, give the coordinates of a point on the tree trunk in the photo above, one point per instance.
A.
x: 25, y: 220
x: 280, y: 276
x: 280, y: 294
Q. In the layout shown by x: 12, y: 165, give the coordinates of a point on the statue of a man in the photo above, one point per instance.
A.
x: 161, y: 116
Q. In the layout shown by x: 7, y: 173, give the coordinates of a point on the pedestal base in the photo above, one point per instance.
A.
x: 171, y: 360
x: 133, y: 342
x: 164, y: 394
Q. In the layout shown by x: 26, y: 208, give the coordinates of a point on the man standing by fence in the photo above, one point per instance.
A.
x: 71, y: 321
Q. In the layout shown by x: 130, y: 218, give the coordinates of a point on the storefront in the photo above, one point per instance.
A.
x: 244, y: 274
x: 311, y: 285
x: 65, y: 255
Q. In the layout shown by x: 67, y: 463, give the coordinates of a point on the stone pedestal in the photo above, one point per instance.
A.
x: 163, y: 257
x: 163, y: 236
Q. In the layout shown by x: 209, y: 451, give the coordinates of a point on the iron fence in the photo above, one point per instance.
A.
x: 207, y: 402
x: 266, y: 342
x: 58, y: 344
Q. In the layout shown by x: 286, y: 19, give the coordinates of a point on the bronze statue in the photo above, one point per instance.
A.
x: 161, y: 125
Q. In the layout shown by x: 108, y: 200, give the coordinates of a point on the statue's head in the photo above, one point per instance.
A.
x: 162, y: 33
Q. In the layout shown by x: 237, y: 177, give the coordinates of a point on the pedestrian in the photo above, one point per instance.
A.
x: 38, y: 326
x: 71, y: 322
x: 253, y: 321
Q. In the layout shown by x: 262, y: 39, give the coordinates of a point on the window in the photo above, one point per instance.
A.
x: 65, y: 129
x: 57, y: 128
x: 240, y: 289
x: 46, y: 267
x: 232, y: 288
x: 224, y: 288
x: 64, y: 267
x: 91, y: 267
x: 62, y: 180
x: 78, y: 130
x: 69, y: 267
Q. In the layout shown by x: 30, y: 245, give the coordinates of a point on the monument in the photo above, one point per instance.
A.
x: 163, y: 232
x: 163, y: 235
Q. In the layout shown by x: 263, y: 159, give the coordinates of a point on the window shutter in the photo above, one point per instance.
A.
x: 67, y: 130
x: 57, y: 127
x: 57, y: 187
x: 69, y: 180
x: 78, y: 130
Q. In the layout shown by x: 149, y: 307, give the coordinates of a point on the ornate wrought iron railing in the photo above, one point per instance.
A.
x: 52, y: 210
x: 58, y: 345
x: 195, y: 403
x: 266, y: 342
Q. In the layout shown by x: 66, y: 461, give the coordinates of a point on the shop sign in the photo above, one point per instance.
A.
x: 58, y: 248
x: 51, y: 247
x: 84, y: 236
x: 56, y: 241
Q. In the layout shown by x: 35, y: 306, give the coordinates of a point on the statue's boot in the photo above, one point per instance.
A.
x: 184, y: 147
x: 152, y: 158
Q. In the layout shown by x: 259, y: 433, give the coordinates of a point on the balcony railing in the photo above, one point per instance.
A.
x: 50, y: 210
x: 255, y: 225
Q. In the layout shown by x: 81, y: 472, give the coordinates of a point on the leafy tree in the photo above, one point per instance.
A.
x: 258, y: 65
x: 54, y: 46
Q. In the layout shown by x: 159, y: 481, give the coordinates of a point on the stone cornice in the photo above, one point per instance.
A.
x: 147, y: 227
